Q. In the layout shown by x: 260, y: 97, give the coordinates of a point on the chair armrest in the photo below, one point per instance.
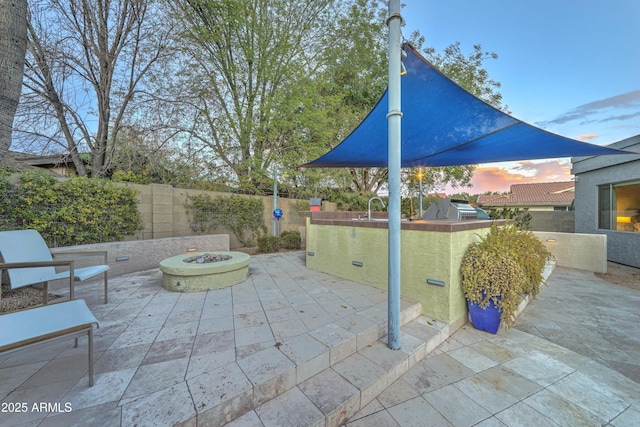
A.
x: 31, y: 264
x: 81, y: 253
x: 52, y: 263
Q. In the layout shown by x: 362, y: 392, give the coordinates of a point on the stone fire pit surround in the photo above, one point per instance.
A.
x: 206, y: 258
x: 181, y: 275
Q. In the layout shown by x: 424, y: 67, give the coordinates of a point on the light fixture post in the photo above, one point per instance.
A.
x: 420, y: 196
x: 420, y: 176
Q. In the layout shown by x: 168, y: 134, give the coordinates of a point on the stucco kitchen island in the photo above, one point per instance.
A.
x: 345, y: 245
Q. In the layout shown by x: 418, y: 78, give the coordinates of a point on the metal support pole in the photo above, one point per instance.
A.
x: 420, y: 196
x: 275, y: 201
x: 394, y: 117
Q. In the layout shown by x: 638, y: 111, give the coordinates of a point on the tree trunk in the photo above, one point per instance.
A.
x: 13, y: 45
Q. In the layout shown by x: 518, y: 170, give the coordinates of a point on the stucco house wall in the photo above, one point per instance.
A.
x: 590, y: 173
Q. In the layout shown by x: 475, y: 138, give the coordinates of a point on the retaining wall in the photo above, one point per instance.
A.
x: 577, y: 250
x: 138, y: 255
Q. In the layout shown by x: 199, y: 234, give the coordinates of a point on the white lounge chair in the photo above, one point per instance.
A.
x: 29, y: 327
x: 28, y: 261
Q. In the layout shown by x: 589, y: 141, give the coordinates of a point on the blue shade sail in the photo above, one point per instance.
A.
x: 444, y: 125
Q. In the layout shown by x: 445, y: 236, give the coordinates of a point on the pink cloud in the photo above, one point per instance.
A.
x: 587, y: 136
x: 500, y: 178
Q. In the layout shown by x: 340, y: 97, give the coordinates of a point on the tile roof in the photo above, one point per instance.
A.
x: 441, y: 195
x: 545, y: 193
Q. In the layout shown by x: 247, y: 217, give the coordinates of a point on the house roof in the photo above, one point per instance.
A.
x: 440, y: 195
x: 25, y: 161
x: 539, y: 194
x: 593, y: 163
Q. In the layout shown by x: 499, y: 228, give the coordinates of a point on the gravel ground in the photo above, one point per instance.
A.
x: 30, y: 296
x: 622, y: 275
x: 18, y: 299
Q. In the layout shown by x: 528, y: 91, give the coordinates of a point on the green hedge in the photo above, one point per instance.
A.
x: 290, y: 240
x: 268, y: 244
x: 70, y: 212
x: 242, y: 215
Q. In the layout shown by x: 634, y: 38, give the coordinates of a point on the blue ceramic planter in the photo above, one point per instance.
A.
x: 487, y: 319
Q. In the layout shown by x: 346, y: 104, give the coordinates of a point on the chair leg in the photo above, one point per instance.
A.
x: 105, y: 288
x: 91, y: 357
x: 72, y: 281
x: 45, y: 297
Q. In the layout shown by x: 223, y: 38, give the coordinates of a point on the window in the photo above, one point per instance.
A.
x: 619, y: 206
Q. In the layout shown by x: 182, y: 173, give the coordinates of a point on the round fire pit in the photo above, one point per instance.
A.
x: 202, y: 271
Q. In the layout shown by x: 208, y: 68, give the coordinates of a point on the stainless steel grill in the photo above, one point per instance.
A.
x: 450, y: 209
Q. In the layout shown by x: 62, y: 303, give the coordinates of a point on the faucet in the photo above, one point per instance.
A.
x: 369, y: 206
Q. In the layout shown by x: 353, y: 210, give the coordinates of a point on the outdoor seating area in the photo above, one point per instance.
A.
x: 28, y: 261
x: 292, y: 346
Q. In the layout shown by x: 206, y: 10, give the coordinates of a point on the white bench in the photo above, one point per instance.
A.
x: 24, y: 328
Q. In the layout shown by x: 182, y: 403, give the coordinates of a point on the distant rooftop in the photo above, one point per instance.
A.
x: 440, y: 195
x: 56, y: 164
x: 539, y: 194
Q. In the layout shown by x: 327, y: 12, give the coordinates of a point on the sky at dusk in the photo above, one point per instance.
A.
x: 569, y: 67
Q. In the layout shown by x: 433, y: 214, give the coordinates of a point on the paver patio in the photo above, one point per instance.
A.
x: 291, y: 346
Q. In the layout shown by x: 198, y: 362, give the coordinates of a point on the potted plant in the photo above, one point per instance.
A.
x: 498, y: 271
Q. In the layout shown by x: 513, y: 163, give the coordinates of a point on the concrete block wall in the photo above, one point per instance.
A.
x: 145, y: 206
x: 163, y: 209
x: 557, y: 221
x: 164, y: 215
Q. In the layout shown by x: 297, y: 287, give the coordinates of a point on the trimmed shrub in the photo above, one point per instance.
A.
x: 290, y: 240
x: 268, y: 244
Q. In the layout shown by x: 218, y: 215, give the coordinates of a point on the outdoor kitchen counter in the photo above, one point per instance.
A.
x: 380, y: 220
x: 346, y: 245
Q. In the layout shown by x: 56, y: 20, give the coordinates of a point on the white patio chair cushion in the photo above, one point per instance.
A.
x: 20, y: 246
x: 81, y: 274
x: 24, y: 328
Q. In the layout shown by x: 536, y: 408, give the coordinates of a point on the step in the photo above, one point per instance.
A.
x: 234, y: 391
x: 335, y: 394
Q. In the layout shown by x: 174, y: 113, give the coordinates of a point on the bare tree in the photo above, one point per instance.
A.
x: 13, y: 43
x: 86, y: 63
